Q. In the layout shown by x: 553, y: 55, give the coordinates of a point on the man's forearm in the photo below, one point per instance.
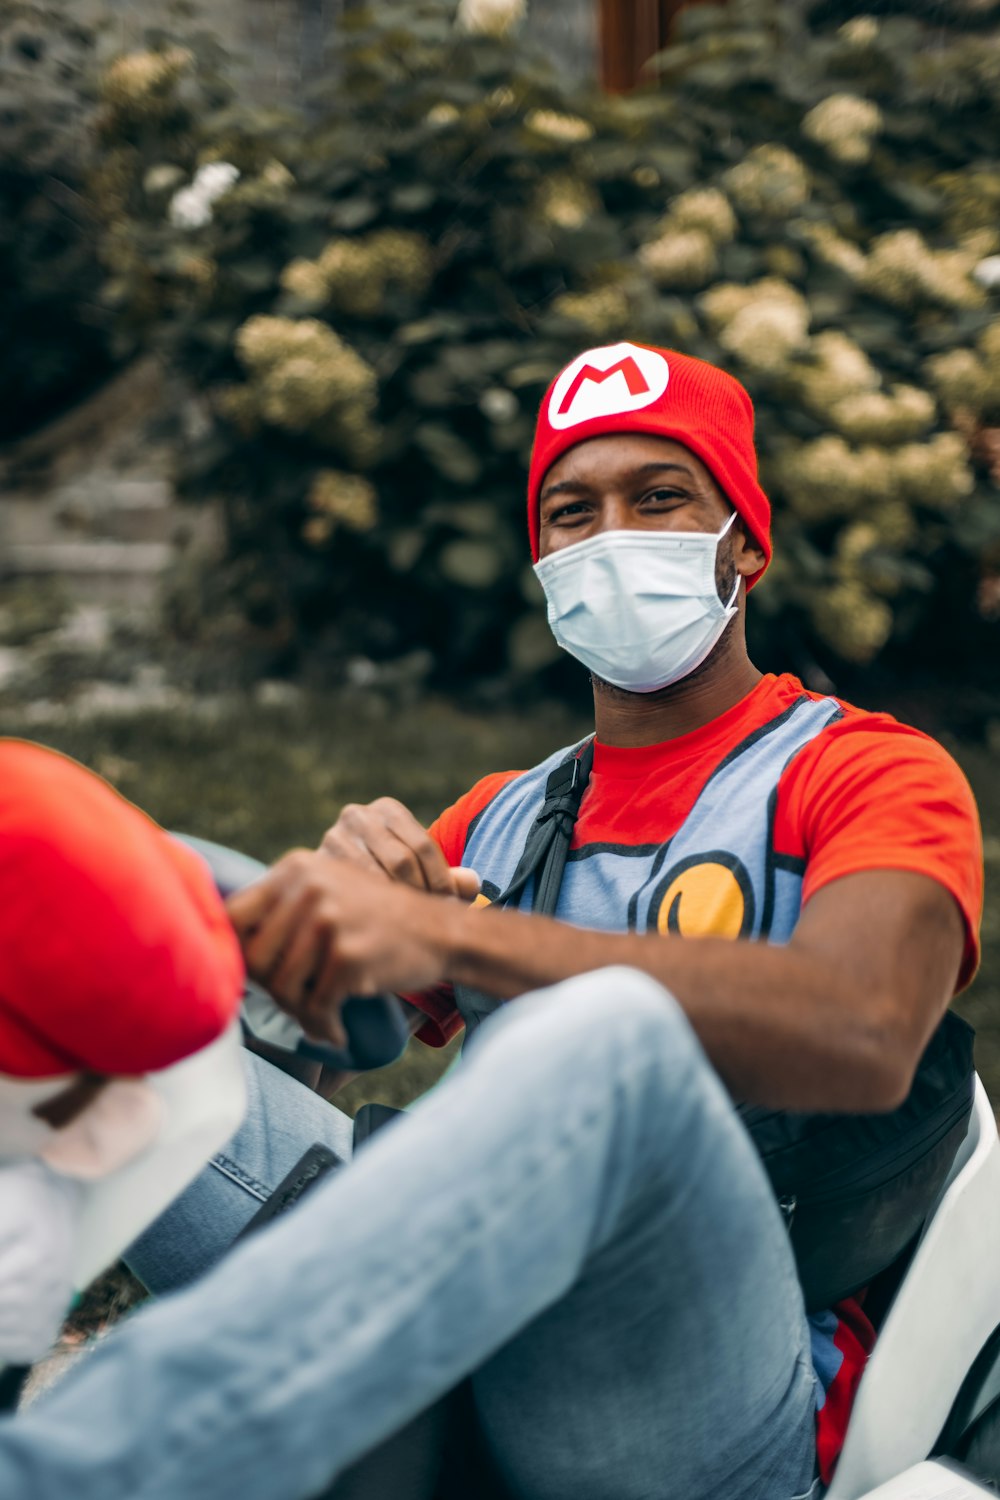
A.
x: 837, y: 1019
x: 781, y: 1029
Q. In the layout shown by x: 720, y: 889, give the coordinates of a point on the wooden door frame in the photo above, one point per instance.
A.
x: 631, y: 32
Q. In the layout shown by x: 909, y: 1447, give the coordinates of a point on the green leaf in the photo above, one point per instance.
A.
x: 353, y: 213
x: 450, y: 456
x: 473, y: 565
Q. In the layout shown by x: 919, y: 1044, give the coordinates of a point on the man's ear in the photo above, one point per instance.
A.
x: 748, y: 555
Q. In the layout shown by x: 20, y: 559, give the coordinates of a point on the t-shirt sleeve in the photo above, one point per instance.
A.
x: 450, y: 832
x: 871, y: 794
x: 116, y: 953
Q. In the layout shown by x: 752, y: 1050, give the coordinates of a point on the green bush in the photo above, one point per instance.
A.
x: 373, y: 309
x: 53, y: 345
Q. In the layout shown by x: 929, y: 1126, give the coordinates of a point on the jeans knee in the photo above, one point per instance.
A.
x: 636, y: 1018
x: 610, y: 1021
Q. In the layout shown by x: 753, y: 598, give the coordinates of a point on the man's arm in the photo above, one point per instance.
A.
x: 837, y: 1019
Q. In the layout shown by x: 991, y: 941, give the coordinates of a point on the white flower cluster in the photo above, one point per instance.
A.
x: 903, y: 270
x: 831, y: 248
x: 354, y: 275
x: 836, y: 368
x: 162, y: 178
x: 442, y: 115
x: 987, y: 273
x: 878, y: 417
x: 338, y: 499
x: 680, y: 259
x: 683, y: 254
x: 304, y: 378
x: 603, y: 312
x: 852, y: 619
x: 935, y: 474
x: 706, y: 209
x: 860, y: 31
x: 564, y: 130
x: 191, y: 207
x: 968, y: 380
x: 829, y: 478
x: 845, y: 126
x: 770, y: 182
x: 490, y: 17
x: 762, y: 324
x: 137, y: 87
x: 838, y: 383
x: 566, y: 201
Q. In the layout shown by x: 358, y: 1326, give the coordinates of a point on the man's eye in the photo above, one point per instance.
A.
x: 666, y: 496
x: 570, y: 509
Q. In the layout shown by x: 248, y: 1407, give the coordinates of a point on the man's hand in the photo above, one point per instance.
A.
x: 315, y: 930
x: 385, y: 837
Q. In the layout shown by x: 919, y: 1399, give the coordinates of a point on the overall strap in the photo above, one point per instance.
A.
x: 547, y: 844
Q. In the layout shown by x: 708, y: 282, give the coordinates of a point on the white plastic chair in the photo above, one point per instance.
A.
x: 943, y: 1313
x: 930, y: 1481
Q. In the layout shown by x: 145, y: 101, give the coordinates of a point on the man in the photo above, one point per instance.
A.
x: 574, y: 1215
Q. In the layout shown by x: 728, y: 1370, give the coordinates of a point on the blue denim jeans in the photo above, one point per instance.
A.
x: 573, y: 1214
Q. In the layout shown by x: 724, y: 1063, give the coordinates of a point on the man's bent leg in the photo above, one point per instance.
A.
x: 456, y: 1230
x: 678, y: 1364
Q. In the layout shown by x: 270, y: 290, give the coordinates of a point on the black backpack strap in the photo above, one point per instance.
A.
x: 547, y: 844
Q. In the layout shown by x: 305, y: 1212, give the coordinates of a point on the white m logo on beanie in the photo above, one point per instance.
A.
x: 604, y: 382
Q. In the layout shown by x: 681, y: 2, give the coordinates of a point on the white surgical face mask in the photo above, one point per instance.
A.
x: 639, y: 608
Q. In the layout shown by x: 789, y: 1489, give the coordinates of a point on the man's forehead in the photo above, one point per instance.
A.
x: 624, y: 455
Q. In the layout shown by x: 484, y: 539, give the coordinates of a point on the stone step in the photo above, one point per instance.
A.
x: 136, y: 511
x: 88, y: 558
x: 101, y: 571
x: 141, y: 510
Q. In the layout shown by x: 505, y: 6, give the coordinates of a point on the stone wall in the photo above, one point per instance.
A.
x: 276, y: 46
x: 280, y: 46
x: 568, y: 31
x: 88, y: 500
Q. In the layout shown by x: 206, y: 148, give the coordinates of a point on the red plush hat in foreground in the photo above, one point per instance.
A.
x: 634, y: 388
x: 116, y: 954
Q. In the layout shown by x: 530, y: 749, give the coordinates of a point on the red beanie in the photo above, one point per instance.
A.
x: 633, y: 388
x: 116, y: 954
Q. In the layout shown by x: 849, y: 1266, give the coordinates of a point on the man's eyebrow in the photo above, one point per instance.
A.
x: 574, y: 486
x: 659, y: 464
x: 564, y: 487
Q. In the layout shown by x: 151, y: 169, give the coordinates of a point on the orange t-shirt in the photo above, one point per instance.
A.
x: 867, y: 793
x: 116, y: 954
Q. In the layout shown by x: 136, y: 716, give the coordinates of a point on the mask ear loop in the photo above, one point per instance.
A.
x: 731, y: 606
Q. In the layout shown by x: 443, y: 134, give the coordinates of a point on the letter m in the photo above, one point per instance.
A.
x: 634, y: 379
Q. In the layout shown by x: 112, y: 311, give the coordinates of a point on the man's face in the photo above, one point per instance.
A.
x: 635, y: 482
